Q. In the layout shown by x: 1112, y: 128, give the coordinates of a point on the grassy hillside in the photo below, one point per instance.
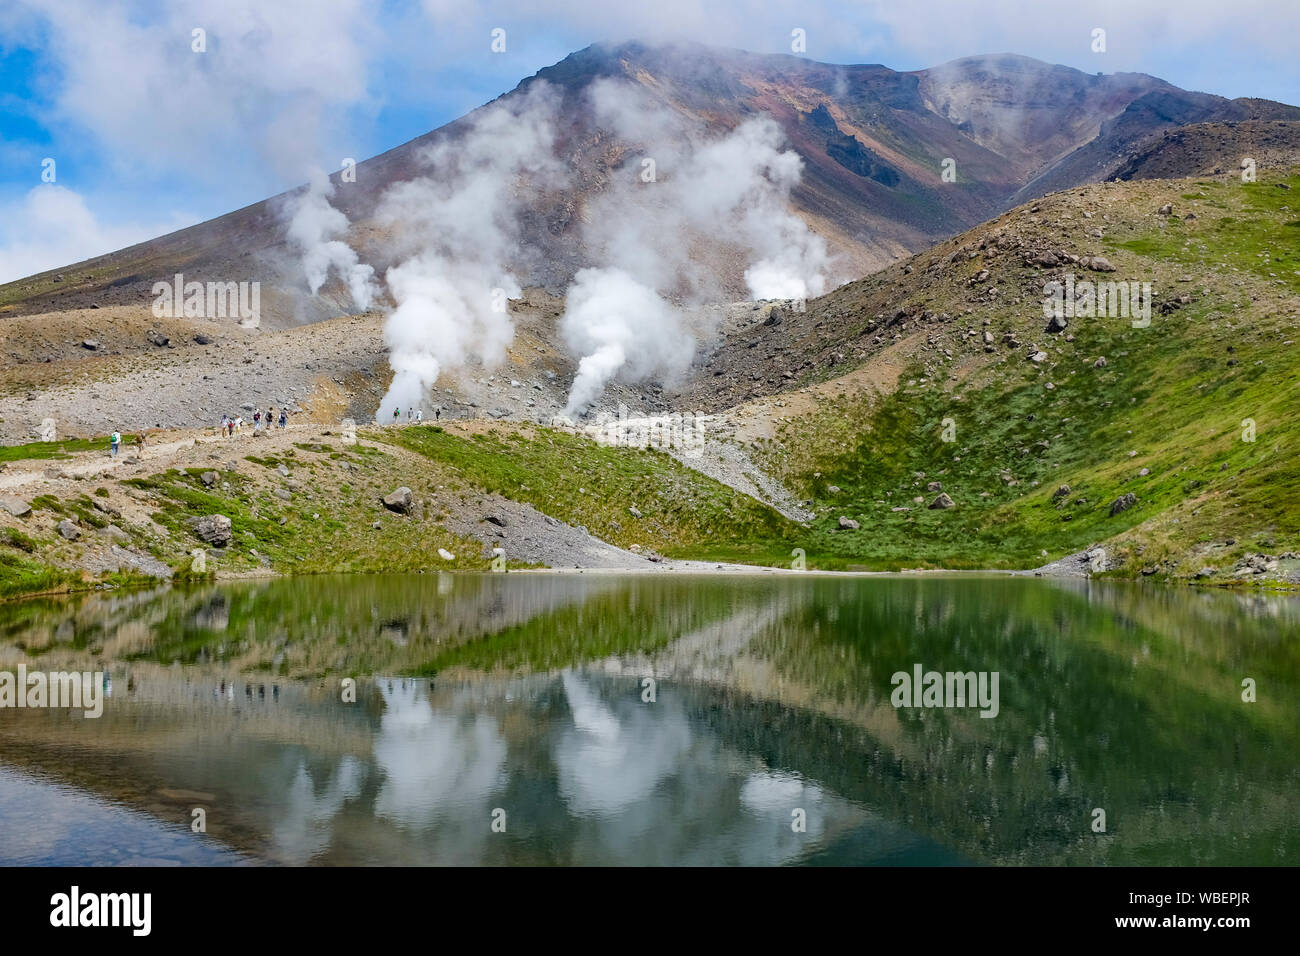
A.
x: 678, y: 512
x: 1162, y: 418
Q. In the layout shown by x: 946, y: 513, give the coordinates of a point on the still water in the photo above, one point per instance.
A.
x: 605, y: 719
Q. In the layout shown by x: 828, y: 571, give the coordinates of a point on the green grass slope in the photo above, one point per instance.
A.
x: 1168, y: 417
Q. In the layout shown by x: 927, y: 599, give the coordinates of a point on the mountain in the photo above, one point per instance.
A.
x: 873, y: 143
x: 1165, y: 449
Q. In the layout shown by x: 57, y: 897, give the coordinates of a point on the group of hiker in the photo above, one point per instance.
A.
x: 413, y: 415
x: 115, y: 444
x: 233, y: 425
x: 230, y: 427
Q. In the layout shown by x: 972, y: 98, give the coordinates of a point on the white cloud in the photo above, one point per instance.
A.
x: 266, y: 92
x: 53, y: 226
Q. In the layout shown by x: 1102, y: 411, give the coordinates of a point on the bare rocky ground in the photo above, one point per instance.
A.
x: 98, y: 370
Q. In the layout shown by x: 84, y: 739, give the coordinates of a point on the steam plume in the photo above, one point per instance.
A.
x: 462, y: 222
x: 730, y: 190
x: 312, y: 230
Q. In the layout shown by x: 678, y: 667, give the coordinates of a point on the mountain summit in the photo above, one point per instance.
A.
x: 875, y: 144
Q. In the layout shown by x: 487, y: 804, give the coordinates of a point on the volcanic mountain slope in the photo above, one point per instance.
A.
x: 927, y: 416
x: 1139, y: 128
x: 1208, y: 149
x: 1169, y: 446
x: 873, y: 142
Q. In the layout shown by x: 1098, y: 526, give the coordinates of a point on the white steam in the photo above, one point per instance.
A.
x: 620, y: 327
x: 313, y: 229
x: 725, y: 195
x: 461, y: 223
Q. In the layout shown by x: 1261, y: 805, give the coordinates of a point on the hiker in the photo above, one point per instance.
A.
x: 419, y: 414
x: 114, y: 440
x: 239, y: 423
x: 437, y: 413
x: 284, y: 417
x: 397, y: 413
x: 410, y: 414
x: 139, y: 446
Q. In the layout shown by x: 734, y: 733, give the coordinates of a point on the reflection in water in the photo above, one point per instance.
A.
x: 434, y: 763
x: 771, y: 708
x: 609, y: 763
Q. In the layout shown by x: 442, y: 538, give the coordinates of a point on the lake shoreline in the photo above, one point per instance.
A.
x: 668, y: 568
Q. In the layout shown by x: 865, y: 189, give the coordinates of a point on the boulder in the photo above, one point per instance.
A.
x: 634, y: 511
x: 1098, y: 264
x: 16, y: 507
x: 202, y: 339
x: 399, y: 501
x: 934, y: 486
x: 283, y: 494
x: 209, y: 478
x: 90, y: 344
x: 848, y: 524
x: 157, y: 338
x: 1123, y: 503
x: 446, y: 555
x: 1100, y: 363
x: 69, y: 530
x: 1166, y: 210
x: 1057, y: 323
x: 1060, y: 492
x: 102, y: 504
x: 498, y: 520
x: 942, y: 502
x: 214, y: 529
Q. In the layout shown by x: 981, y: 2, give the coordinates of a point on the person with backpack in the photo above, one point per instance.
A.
x: 284, y: 417
x: 114, y: 441
x: 139, y: 446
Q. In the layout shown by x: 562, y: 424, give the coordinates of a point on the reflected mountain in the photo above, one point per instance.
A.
x: 663, y: 720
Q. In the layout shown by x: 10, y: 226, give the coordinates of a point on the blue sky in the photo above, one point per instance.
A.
x: 149, y: 135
